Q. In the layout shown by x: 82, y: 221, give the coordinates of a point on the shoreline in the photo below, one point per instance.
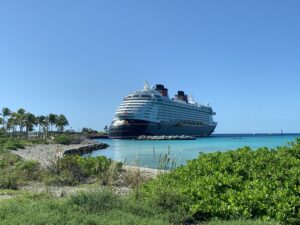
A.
x: 47, y: 153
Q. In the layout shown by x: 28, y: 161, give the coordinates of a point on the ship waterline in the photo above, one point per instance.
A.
x: 152, y: 112
x: 135, y: 128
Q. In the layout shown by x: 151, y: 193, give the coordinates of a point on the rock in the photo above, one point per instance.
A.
x: 164, y: 137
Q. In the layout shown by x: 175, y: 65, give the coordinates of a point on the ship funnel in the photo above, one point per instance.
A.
x: 161, y: 88
x: 181, y: 96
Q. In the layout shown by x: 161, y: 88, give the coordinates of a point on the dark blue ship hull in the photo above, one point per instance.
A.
x: 135, y: 128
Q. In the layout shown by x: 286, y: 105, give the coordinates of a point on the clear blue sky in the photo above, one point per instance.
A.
x: 80, y: 58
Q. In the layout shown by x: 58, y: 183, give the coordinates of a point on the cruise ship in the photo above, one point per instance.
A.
x: 152, y: 112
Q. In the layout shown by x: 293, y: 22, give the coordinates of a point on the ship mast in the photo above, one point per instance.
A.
x: 146, y: 86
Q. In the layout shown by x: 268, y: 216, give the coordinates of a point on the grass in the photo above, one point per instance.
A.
x: 12, y: 143
x: 85, y: 208
x: 98, y: 208
x: 240, y: 222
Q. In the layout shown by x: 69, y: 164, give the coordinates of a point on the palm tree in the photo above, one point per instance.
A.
x: 52, y: 120
x: 106, y: 129
x: 21, y: 118
x: 12, y: 122
x: 43, y: 122
x: 5, y: 113
x: 61, y: 122
x: 30, y: 122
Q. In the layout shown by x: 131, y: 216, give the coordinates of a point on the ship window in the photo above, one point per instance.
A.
x: 136, y: 96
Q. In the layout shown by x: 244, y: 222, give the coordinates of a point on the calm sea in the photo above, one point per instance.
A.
x: 148, y: 153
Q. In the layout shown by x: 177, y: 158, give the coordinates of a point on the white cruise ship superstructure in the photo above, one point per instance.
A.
x: 151, y: 112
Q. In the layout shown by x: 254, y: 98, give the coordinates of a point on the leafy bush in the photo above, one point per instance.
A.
x: 67, y: 139
x: 30, y: 169
x: 240, y: 222
x: 11, y: 144
x: 8, y: 159
x: 15, y: 172
x: 63, y: 139
x: 244, y: 183
x: 9, y: 179
x: 74, y: 169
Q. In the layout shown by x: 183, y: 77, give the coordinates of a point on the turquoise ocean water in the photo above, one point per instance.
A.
x: 147, y: 153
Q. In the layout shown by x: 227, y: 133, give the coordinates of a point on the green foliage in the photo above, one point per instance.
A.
x: 9, y: 179
x: 100, y: 208
x: 63, y: 139
x: 61, y: 122
x: 74, y: 169
x: 244, y: 183
x: 8, y: 159
x: 240, y: 222
x: 30, y: 169
x: 15, y: 172
x: 11, y: 144
x: 96, y: 202
x: 97, y: 208
x: 67, y: 139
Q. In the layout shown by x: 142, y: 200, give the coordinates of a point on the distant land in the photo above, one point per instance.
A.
x: 253, y: 134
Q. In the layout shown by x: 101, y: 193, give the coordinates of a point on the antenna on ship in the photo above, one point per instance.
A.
x: 146, y: 86
x: 191, y: 100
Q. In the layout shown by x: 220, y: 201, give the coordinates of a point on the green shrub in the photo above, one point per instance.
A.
x: 30, y: 169
x: 74, y: 169
x: 8, y: 159
x: 97, y: 201
x: 15, y: 172
x: 13, y: 144
x: 63, y: 139
x: 240, y: 222
x: 67, y: 139
x: 9, y: 179
x: 261, y: 184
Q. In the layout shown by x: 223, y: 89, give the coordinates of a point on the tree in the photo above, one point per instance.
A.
x: 52, y: 120
x: 12, y: 122
x: 5, y: 113
x: 43, y: 122
x: 106, y: 129
x: 21, y: 118
x: 61, y: 122
x: 30, y: 122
